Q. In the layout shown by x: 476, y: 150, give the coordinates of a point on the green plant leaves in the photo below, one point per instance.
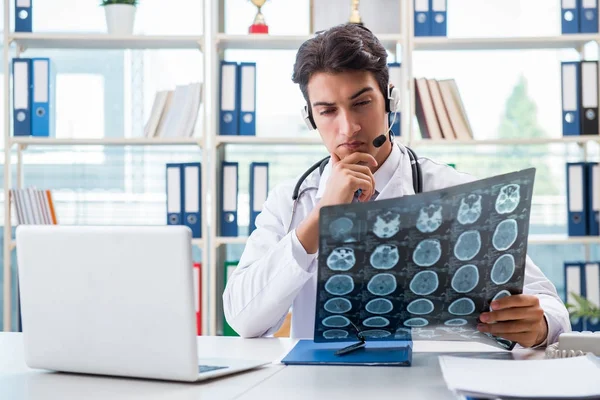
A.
x: 582, y: 308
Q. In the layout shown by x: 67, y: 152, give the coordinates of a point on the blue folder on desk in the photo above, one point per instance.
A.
x: 376, y: 353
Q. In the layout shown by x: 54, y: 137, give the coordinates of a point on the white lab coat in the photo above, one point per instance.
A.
x: 275, y: 272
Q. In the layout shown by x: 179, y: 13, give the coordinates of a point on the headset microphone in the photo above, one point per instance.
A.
x: 379, y: 141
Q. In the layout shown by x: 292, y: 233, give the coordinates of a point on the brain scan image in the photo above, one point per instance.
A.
x: 465, y: 279
x: 338, y: 305
x: 470, y: 209
x: 424, y: 283
x: 503, y: 269
x: 340, y: 229
x: 339, y: 285
x: 336, y: 321
x: 505, y: 234
x: 501, y: 294
x: 425, y: 267
x: 375, y: 334
x: 468, y: 245
x: 379, y: 306
x: 427, y: 253
x: 341, y: 259
x: 335, y: 334
x: 376, y: 322
x: 508, y: 199
x: 403, y: 333
x: 385, y: 256
x: 456, y: 322
x: 382, y: 284
x: 425, y: 333
x: 430, y: 219
x: 416, y: 322
x: 386, y: 225
x: 420, y: 307
x: 462, y: 306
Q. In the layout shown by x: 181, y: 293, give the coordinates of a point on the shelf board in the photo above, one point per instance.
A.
x: 195, y: 242
x: 282, y: 42
x: 517, y: 43
x: 226, y: 139
x: 505, y: 142
x: 221, y: 240
x: 563, y: 239
x: 105, y: 141
x: 104, y: 41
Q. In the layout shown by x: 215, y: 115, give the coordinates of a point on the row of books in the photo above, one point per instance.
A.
x: 579, y: 98
x: 583, y: 198
x: 583, y: 280
x: 174, y: 112
x: 33, y: 206
x: 440, y: 111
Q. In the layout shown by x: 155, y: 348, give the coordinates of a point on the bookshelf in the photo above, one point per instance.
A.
x: 212, y: 43
x: 16, y: 44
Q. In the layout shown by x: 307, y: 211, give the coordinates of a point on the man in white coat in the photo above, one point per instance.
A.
x: 344, y: 77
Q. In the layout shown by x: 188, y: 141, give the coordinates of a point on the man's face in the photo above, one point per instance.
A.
x: 349, y: 111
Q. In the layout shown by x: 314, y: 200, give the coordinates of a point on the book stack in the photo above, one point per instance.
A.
x: 174, y: 112
x: 440, y: 111
x: 33, y: 206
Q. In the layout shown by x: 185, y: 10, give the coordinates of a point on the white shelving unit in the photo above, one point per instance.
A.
x: 22, y: 42
x: 212, y: 43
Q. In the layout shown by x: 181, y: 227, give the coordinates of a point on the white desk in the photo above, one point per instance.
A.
x: 423, y: 380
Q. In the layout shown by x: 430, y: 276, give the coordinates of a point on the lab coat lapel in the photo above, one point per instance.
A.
x: 401, y: 183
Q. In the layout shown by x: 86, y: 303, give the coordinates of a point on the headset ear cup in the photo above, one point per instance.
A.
x: 394, y: 100
x: 308, y: 119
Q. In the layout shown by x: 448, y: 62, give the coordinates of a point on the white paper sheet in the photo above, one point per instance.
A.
x: 568, y: 378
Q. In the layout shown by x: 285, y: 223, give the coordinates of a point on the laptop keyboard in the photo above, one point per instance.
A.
x: 208, y: 368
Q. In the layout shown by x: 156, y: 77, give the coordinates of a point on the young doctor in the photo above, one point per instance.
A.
x: 343, y: 76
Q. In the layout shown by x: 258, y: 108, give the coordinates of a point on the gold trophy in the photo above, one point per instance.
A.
x: 259, y: 25
x: 355, y: 15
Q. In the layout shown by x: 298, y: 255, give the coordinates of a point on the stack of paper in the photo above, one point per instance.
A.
x: 565, y: 378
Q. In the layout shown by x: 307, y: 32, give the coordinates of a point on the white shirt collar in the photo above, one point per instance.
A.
x: 382, y: 176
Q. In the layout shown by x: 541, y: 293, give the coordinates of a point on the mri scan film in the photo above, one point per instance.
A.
x: 423, y: 266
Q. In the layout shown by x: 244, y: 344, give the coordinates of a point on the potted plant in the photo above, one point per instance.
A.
x: 120, y: 16
x: 584, y: 310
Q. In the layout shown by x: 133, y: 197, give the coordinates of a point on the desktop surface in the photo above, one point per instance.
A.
x: 423, y: 380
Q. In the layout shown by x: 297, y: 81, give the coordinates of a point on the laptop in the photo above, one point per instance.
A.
x: 115, y: 301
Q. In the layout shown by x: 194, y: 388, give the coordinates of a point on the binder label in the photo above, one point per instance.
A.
x: 585, y: 4
x: 260, y: 187
x: 248, y: 82
x: 21, y: 90
x: 192, y: 200
x: 438, y: 5
x: 230, y: 190
x: 421, y: 5
x: 569, y: 87
x: 575, y: 188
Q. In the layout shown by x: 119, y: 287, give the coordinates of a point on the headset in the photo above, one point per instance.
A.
x: 391, y: 104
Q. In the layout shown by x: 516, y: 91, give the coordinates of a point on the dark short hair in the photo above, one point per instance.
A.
x: 347, y: 47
